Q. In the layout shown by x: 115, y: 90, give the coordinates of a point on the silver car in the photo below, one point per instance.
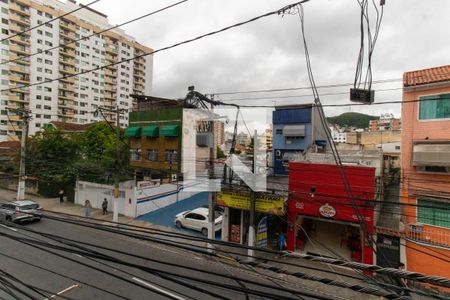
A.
x: 20, y: 211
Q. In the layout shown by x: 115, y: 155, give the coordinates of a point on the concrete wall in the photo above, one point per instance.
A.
x: 369, y: 139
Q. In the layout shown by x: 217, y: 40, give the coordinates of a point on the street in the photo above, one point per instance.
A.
x: 92, y: 278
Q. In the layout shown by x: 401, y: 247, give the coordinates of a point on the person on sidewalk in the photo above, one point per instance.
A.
x: 281, y: 242
x: 87, y: 208
x: 105, y: 206
x: 61, y: 195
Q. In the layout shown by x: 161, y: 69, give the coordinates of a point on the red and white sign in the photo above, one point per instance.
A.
x: 148, y: 184
x: 327, y: 211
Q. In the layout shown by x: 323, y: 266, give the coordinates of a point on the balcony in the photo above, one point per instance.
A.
x: 110, y: 81
x: 21, y: 9
x: 66, y: 97
x: 65, y: 104
x: 67, y: 62
x: 68, y: 80
x: 18, y: 89
x: 111, y: 50
x: 14, y: 118
x: 66, y: 87
x: 19, y: 19
x: 427, y: 235
x: 66, y: 52
x: 20, y: 40
x: 19, y: 79
x: 110, y: 88
x: 67, y: 35
x: 19, y: 69
x: 16, y: 28
x: 65, y: 112
x: 68, y: 44
x: 66, y: 71
x: 19, y: 49
x: 108, y: 72
x: 68, y: 26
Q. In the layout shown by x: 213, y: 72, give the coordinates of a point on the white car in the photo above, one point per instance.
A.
x: 197, y: 219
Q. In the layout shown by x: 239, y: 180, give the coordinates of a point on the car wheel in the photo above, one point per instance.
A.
x: 178, y: 224
x: 8, y: 219
x: 205, y: 231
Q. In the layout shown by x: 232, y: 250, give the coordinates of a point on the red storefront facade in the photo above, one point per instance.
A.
x: 321, y: 213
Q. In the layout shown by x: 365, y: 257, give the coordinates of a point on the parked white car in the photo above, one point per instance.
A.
x: 20, y: 211
x: 197, y: 219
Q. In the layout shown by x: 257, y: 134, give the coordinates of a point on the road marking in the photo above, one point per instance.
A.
x: 63, y: 291
x: 13, y: 229
x: 78, y: 255
x: 173, y: 296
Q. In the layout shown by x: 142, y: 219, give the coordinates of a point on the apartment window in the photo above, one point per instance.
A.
x: 38, y: 124
x: 5, y: 21
x: 38, y: 97
x: 5, y: 10
x: 48, y: 34
x: 434, y: 107
x: 47, y: 98
x: 5, y: 31
x: 47, y: 117
x: 135, y: 154
x: 48, y: 62
x: 48, y: 15
x: 48, y: 71
x: 49, y: 25
x: 39, y: 60
x: 152, y: 154
x: 47, y: 89
x: 39, y: 13
x: 38, y: 106
x: 40, y: 32
x: 171, y: 156
x: 433, y: 213
x: 47, y: 43
x: 5, y: 52
x: 47, y: 107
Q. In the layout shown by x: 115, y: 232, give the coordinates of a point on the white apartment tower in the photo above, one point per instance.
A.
x: 72, y: 99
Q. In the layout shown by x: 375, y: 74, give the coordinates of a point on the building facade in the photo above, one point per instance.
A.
x: 322, y: 220
x: 295, y: 129
x: 425, y: 164
x: 386, y: 122
x: 27, y: 61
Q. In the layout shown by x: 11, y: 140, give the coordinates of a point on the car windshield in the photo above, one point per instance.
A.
x: 217, y: 214
x: 29, y: 206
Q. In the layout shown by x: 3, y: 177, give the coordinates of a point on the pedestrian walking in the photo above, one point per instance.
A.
x: 281, y: 242
x: 105, y: 206
x: 61, y: 195
x: 87, y: 208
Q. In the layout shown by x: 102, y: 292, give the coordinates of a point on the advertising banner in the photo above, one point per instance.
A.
x: 269, y: 204
x: 261, y: 233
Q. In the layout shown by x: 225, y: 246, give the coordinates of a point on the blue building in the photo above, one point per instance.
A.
x: 295, y: 129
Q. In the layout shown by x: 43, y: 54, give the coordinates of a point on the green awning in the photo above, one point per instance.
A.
x: 150, y: 131
x: 133, y: 132
x: 170, y: 130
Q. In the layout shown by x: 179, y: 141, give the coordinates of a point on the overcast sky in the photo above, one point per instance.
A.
x: 268, y: 53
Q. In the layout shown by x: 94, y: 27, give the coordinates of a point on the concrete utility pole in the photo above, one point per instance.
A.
x: 211, y: 195
x: 251, y: 227
x: 23, y: 143
x: 117, y: 175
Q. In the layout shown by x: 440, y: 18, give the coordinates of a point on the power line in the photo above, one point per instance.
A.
x: 83, y: 38
x: 49, y: 21
x: 279, y: 11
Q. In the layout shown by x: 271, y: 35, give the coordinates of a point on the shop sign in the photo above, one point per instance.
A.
x: 261, y: 233
x: 327, y: 211
x: 235, y: 233
x: 148, y: 184
x: 269, y: 204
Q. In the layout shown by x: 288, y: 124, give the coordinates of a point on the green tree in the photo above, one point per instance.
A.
x: 220, y: 153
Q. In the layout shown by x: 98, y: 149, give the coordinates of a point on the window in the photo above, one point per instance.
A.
x: 5, y: 31
x: 171, y: 156
x: 152, y: 155
x: 433, y: 213
x: 135, y: 154
x: 194, y: 216
x: 5, y: 21
x: 434, y: 107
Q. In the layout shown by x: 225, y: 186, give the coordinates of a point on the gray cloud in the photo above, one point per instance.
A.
x: 269, y: 53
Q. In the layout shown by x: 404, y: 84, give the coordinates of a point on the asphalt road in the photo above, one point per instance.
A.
x: 76, y: 273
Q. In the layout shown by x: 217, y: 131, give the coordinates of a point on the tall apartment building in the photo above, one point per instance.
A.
x: 72, y: 99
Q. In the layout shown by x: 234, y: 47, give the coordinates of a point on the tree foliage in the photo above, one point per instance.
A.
x: 90, y: 155
x: 352, y: 119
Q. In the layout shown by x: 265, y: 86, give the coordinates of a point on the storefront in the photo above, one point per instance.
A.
x: 270, y: 217
x: 326, y: 230
x: 322, y: 220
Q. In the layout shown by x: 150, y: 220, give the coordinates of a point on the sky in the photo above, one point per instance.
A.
x: 269, y: 54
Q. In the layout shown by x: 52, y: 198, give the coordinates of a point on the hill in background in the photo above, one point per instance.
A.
x: 352, y: 119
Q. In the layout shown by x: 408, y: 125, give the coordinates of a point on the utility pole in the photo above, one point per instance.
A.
x: 23, y: 143
x: 211, y: 195
x: 251, y: 227
x: 117, y: 173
